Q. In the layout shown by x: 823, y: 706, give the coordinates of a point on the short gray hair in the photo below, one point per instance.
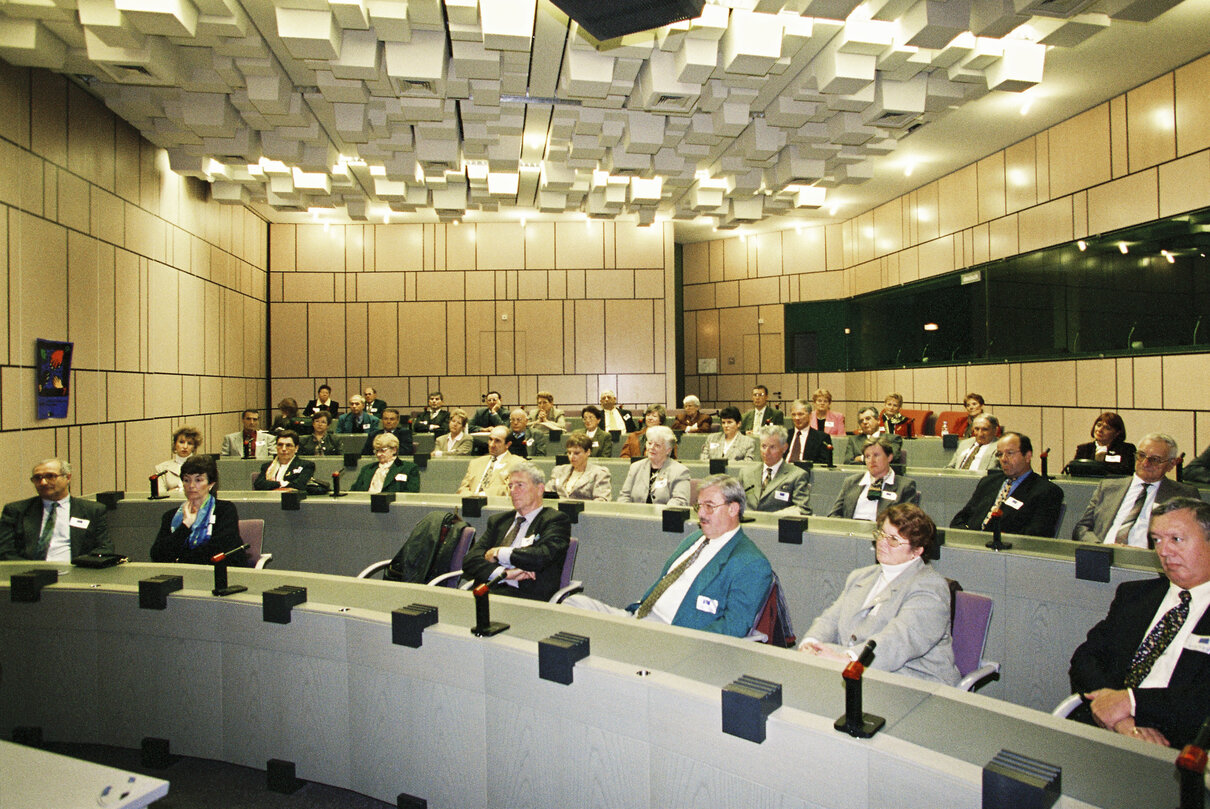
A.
x: 535, y: 475
x: 660, y: 434
x: 64, y: 466
x: 799, y: 404
x: 1162, y: 438
x: 774, y: 431
x: 730, y: 488
x: 691, y: 399
x: 1200, y: 509
x: 989, y: 418
x: 357, y: 397
x: 386, y: 439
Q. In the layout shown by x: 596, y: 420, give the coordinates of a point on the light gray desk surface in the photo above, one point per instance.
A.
x: 331, y: 693
x: 36, y: 779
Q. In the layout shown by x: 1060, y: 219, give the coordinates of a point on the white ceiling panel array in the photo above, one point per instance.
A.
x: 432, y: 110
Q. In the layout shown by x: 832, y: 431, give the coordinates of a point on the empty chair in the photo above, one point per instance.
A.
x: 972, y: 617
x: 446, y: 579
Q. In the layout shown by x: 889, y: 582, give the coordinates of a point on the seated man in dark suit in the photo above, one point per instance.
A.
x: 374, y: 405
x: 774, y: 485
x: 489, y: 416
x: 1144, y: 667
x: 807, y: 443
x: 54, y: 525
x: 728, y: 576
x: 762, y: 413
x: 390, y: 424
x: 357, y: 420
x: 436, y: 419
x: 868, y: 426
x: 287, y: 471
x: 522, y: 551
x: 1027, y: 504
x: 1120, y: 509
x: 1198, y: 470
x: 522, y: 441
x: 616, y: 418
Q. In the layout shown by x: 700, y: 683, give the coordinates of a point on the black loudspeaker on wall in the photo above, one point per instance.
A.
x: 615, y: 18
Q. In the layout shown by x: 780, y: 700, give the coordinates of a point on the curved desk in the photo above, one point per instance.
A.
x: 466, y: 722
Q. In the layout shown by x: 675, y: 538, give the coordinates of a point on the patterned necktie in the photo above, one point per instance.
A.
x: 1132, y: 516
x: 764, y: 481
x: 970, y: 457
x: 487, y: 475
x: 1000, y: 498
x: 669, y: 579
x: 651, y: 485
x: 1157, y: 641
x: 48, y: 530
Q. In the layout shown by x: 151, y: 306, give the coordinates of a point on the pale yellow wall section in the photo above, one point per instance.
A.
x: 1140, y: 156
x: 162, y: 292
x: 572, y: 308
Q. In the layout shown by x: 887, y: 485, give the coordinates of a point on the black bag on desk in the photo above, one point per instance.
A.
x: 427, y: 551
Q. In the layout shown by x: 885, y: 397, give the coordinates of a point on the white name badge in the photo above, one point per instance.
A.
x: 596, y: 444
x: 709, y: 605
x: 827, y: 424
x: 1013, y: 503
x: 296, y: 470
x: 1198, y: 643
x: 887, y: 494
x: 659, y: 483
x: 77, y: 522
x: 529, y: 443
x: 525, y: 542
x: 783, y: 496
x: 402, y: 477
x: 1113, y: 459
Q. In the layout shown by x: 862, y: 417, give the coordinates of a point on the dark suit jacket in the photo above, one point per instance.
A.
x: 1103, y: 660
x: 772, y: 416
x: 406, y: 447
x: 427, y: 422
x: 627, y: 419
x: 817, y: 446
x: 1125, y: 450
x: 846, y: 501
x: 392, y: 484
x: 852, y: 451
x: 347, y: 423
x: 301, y: 470
x: 376, y: 407
x: 21, y: 526
x: 551, y: 531
x: 602, y: 444
x: 532, y: 444
x: 173, y: 546
x: 310, y: 445
x: 1094, y: 524
x: 1038, y: 515
x: 313, y: 407
x: 484, y: 419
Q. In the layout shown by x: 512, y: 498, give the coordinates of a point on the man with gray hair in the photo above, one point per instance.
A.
x: 776, y: 486
x: 54, y: 525
x: 616, y: 418
x: 521, y: 552
x: 1120, y: 509
x: 357, y: 420
x: 716, y: 580
x: 692, y: 420
x: 979, y: 451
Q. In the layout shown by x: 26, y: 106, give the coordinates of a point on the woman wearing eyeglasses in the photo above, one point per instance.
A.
x: 901, y: 603
x: 867, y: 495
x: 1109, y: 445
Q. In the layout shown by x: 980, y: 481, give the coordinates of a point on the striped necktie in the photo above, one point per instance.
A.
x: 669, y: 579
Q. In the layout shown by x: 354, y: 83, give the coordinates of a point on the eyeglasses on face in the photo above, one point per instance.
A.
x: 890, y: 539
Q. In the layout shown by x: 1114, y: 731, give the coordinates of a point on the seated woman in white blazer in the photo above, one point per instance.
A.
x: 578, y: 479
x: 867, y: 495
x: 901, y: 603
x: 657, y: 478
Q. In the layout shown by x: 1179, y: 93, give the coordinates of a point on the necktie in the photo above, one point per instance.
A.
x: 764, y: 481
x: 511, y: 536
x: 970, y: 457
x: 651, y: 485
x: 487, y: 475
x: 669, y: 579
x: 796, y: 446
x: 875, y: 490
x: 1132, y: 517
x: 1157, y: 641
x: 1000, y: 498
x: 48, y: 530
x: 250, y: 446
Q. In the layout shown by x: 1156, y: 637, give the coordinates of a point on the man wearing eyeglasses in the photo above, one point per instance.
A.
x: 54, y: 525
x: 716, y: 580
x: 1120, y: 510
x: 1026, y: 503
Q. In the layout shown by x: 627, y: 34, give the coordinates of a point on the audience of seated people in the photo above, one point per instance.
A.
x: 636, y: 443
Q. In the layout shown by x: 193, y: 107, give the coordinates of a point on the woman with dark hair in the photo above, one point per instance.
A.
x: 730, y: 443
x: 186, y: 440
x: 289, y: 418
x: 578, y: 479
x: 636, y: 443
x: 203, y: 525
x: 900, y: 603
x: 320, y: 442
x: 598, y: 436
x: 1109, y: 445
x: 322, y: 401
x: 973, y: 402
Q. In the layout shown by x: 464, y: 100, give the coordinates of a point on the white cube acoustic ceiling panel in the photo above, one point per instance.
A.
x: 436, y: 109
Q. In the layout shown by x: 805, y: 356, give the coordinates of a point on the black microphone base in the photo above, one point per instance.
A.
x: 869, y: 725
x: 157, y: 497
x: 228, y: 591
x: 489, y: 629
x: 339, y: 494
x: 998, y: 546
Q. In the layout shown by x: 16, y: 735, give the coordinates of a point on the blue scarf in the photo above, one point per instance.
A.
x: 199, y: 533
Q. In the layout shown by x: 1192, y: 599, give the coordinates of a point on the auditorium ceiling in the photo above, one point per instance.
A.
x: 759, y: 114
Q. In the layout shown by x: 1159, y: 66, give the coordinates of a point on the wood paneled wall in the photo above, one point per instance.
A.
x: 573, y: 308
x: 1138, y: 157
x: 162, y: 292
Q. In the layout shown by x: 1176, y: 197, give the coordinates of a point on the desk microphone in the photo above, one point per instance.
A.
x: 222, y: 557
x: 155, y: 484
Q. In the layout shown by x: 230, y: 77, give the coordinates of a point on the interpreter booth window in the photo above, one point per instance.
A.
x: 1141, y: 290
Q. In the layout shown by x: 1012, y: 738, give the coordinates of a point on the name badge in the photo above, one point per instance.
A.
x: 782, y: 496
x: 525, y: 542
x: 1198, y: 643
x: 402, y: 477
x: 78, y: 522
x: 1113, y: 459
x: 659, y: 483
x: 887, y: 494
x: 1013, y: 503
x: 827, y: 424
x: 596, y: 444
x: 709, y: 605
x: 296, y: 470
x: 529, y: 443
